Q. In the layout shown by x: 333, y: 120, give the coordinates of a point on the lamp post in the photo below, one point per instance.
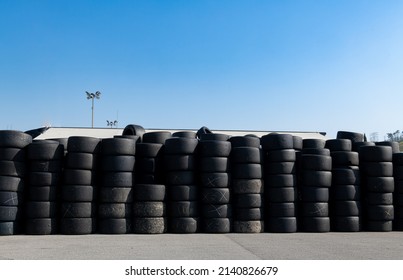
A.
x: 93, y: 96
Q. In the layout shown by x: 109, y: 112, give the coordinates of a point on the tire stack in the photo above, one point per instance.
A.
x: 12, y: 172
x: 398, y: 192
x: 115, y: 193
x: 149, y: 192
x: 377, y: 174
x: 279, y: 183
x: 79, y: 189
x: 45, y: 160
x: 181, y: 177
x: 345, y: 193
x: 247, y: 184
x: 215, y: 183
x: 316, y: 173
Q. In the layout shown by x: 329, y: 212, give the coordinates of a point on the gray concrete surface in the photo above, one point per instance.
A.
x: 296, y: 246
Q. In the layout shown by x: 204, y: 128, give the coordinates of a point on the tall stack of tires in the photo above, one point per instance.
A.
x: 316, y: 172
x: 45, y: 162
x: 398, y: 191
x: 79, y: 188
x: 215, y: 183
x: 182, y: 188
x: 378, y: 185
x: 149, y: 192
x: 115, y: 193
x: 345, y: 195
x: 247, y: 184
x: 12, y: 173
x: 279, y: 183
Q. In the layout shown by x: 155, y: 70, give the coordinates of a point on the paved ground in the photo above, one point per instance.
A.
x: 296, y: 246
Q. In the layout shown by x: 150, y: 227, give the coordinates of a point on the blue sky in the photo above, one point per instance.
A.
x: 254, y: 65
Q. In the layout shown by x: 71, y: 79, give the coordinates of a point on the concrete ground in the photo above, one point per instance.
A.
x: 295, y: 246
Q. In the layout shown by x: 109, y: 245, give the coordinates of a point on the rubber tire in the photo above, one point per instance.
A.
x: 244, y: 141
x: 281, y: 209
x: 78, y: 209
x: 281, y: 224
x: 40, y: 209
x: 214, y: 137
x: 245, y: 186
x: 181, y: 178
x: 44, y: 226
x: 11, y: 184
x: 77, y: 226
x: 273, y: 168
x: 377, y: 169
x: 158, y: 137
x: 316, y: 162
x: 375, y: 153
x: 185, y: 134
x: 44, y: 178
x: 342, y: 158
x: 157, y: 225
x: 117, y: 179
x: 346, y: 208
x: 317, y: 178
x: 248, y: 201
x: 49, y: 193
x: 9, y: 228
x: 183, y: 146
x: 53, y: 166
x: 151, y: 150
x: 12, y: 154
x: 10, y: 198
x: 380, y: 213
x: 315, y: 224
x: 280, y: 155
x: 345, y: 192
x: 14, y: 139
x: 45, y: 150
x: 280, y: 180
x: 78, y: 193
x: 313, y: 143
x: 246, y: 155
x: 247, y: 171
x: 380, y: 184
x: 353, y: 136
x: 379, y: 199
x: 179, y: 162
x: 249, y: 214
x: 216, y: 225
x: 280, y: 195
x: 12, y: 168
x: 184, y: 225
x: 394, y: 145
x: 346, y: 224
x: 118, y: 146
x: 177, y: 209
x: 215, y: 195
x: 133, y: 129
x: 339, y: 145
x: 117, y: 163
x: 314, y: 151
x: 275, y: 141
x: 214, y: 164
x: 83, y: 144
x: 382, y: 226
x: 346, y: 176
x: 84, y: 161
x: 298, y: 142
x: 215, y: 180
x: 216, y: 211
x: 183, y: 192
x: 314, y: 209
x: 116, y: 195
x: 248, y: 226
x: 9, y: 213
x: 116, y: 210
x: 313, y: 194
x: 149, y: 192
x: 213, y: 148
x: 115, y: 226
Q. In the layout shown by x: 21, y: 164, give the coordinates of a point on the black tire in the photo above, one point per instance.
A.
x: 398, y: 172
x: 246, y: 155
x: 339, y: 145
x: 11, y: 184
x: 216, y: 211
x: 247, y: 171
x: 216, y: 225
x: 42, y: 193
x: 78, y: 193
x: 313, y: 143
x: 9, y: 213
x: 376, y: 153
x: 183, y: 225
x: 314, y: 209
x: 115, y: 226
x: 149, y: 192
x: 346, y: 176
x: 14, y: 139
x: 244, y: 186
x: 316, y: 162
x: 149, y: 150
x: 148, y: 165
x: 133, y: 129
x: 213, y: 148
x: 315, y: 224
x: 78, y: 209
x: 248, y: 226
x: 215, y: 195
x: 12, y: 154
x: 84, y: 161
x: 118, y: 146
x: 45, y: 151
x: 117, y: 179
x: 313, y: 194
x: 158, y: 137
x: 298, y: 142
x: 179, y: 162
x: 317, y: 178
x: 244, y: 141
x: 394, y: 145
x: 118, y: 210
x: 61, y: 141
x: 345, y: 192
x: 281, y: 224
x: 147, y: 225
x: 343, y: 158
x: 314, y: 151
x: 118, y: 163
x: 44, y: 178
x: 280, y: 155
x: 116, y: 195
x: 273, y: 168
x: 77, y: 226
x: 9, y: 228
x: 346, y: 208
x: 12, y: 168
x: 377, y: 169
x: 152, y: 178
x: 135, y: 138
x: 78, y: 177
x: 380, y: 184
x: 44, y: 226
x: 281, y: 180
x: 53, y: 166
x: 40, y: 209
x: 214, y: 137
x: 397, y: 158
x: 183, y: 192
x: 379, y: 226
x: 83, y: 144
x: 274, y: 141
x: 215, y: 180
x: 149, y: 209
x: 183, y: 209
x: 280, y: 195
x: 248, y: 201
x: 185, y: 134
x: 214, y: 164
x: 379, y: 199
x: 380, y: 213
x: 357, y: 145
x: 178, y: 145
x: 281, y: 209
x: 180, y: 178
x: 346, y: 224
x: 353, y: 136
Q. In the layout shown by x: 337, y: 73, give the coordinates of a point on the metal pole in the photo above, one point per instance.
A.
x: 92, y: 119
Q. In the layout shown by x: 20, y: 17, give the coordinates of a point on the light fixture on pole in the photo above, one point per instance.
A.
x: 111, y: 123
x: 93, y: 96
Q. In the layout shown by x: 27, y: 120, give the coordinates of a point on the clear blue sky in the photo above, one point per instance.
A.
x: 259, y: 65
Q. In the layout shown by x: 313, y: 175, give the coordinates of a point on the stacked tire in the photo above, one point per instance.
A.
x: 115, y: 193
x: 345, y: 194
x: 247, y: 184
x: 398, y: 191
x: 377, y: 174
x: 79, y: 189
x: 279, y: 183
x: 45, y: 161
x: 181, y: 177
x: 316, y: 172
x: 215, y: 200
x: 12, y: 173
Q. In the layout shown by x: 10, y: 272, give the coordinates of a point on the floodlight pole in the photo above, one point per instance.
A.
x: 92, y: 96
